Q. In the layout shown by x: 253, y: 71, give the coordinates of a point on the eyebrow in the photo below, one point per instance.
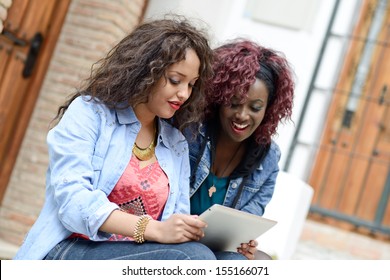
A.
x: 242, y: 100
x: 177, y: 72
x: 181, y: 74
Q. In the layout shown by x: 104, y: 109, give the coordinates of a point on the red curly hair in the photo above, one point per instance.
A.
x: 236, y: 66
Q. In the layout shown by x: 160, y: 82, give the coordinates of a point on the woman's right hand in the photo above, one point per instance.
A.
x: 177, y: 229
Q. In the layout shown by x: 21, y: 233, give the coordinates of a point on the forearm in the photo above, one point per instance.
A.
x: 119, y: 222
x: 178, y: 228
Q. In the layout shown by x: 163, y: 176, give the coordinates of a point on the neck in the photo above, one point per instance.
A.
x: 227, y: 156
x: 225, y: 145
x: 145, y: 117
x: 148, y: 131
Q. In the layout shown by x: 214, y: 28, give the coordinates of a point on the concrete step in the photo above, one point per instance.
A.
x: 7, y: 250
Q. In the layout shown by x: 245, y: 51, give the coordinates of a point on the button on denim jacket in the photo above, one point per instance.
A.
x: 89, y: 150
x: 258, y: 188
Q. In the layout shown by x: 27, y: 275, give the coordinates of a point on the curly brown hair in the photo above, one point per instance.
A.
x: 127, y: 74
x: 236, y: 66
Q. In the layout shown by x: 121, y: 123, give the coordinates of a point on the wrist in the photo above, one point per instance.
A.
x: 152, y: 230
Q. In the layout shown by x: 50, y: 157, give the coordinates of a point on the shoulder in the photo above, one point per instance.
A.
x: 82, y: 101
x: 273, y: 156
x: 274, y: 149
x: 196, y: 138
x: 171, y: 136
x: 84, y: 104
x: 87, y: 116
x: 84, y: 107
x: 195, y: 133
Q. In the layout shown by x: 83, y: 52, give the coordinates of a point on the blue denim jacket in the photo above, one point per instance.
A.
x: 88, y: 152
x: 257, y: 190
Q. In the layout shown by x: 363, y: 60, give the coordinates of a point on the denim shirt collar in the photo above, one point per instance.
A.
x: 171, y: 140
x: 128, y: 116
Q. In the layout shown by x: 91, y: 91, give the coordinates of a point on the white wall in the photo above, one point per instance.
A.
x: 300, y: 42
x: 214, y: 14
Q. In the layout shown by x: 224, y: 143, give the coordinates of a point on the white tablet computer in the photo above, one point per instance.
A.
x: 228, y: 227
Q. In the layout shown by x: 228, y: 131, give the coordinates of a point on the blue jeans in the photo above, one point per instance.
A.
x: 81, y: 249
x: 224, y: 255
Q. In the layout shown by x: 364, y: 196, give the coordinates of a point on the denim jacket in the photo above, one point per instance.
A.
x: 258, y: 188
x: 89, y: 150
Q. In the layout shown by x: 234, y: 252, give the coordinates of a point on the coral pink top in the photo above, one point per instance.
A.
x: 139, y: 191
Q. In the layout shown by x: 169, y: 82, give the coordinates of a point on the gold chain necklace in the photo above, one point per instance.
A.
x: 146, y: 153
x: 213, y: 189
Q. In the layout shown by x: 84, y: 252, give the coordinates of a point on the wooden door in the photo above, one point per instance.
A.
x: 26, y: 44
x: 351, y: 174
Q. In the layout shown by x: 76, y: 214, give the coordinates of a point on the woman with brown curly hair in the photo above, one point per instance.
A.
x: 118, y: 164
x: 234, y: 160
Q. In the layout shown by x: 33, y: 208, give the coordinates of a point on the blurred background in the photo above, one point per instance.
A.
x: 338, y: 143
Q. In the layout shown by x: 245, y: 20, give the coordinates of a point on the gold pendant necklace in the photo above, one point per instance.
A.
x: 213, y: 189
x: 144, y: 154
x: 148, y: 152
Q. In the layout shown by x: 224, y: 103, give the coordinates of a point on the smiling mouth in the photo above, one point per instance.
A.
x: 238, y: 126
x: 175, y: 105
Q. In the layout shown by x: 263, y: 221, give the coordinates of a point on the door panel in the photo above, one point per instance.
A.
x: 18, y: 93
x: 351, y: 172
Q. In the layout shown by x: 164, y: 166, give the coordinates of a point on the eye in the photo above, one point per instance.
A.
x: 173, y: 81
x: 256, y: 108
x: 235, y: 104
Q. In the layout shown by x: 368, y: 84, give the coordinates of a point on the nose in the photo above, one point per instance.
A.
x: 184, y: 93
x: 241, y: 113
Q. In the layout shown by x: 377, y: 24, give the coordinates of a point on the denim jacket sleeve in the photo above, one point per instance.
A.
x: 82, y: 205
x: 260, y: 186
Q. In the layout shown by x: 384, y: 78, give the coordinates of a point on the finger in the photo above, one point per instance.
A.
x: 192, y: 232
x: 188, y: 222
x: 193, y: 236
x: 198, y: 233
x: 244, y: 246
x: 246, y: 254
x: 249, y: 255
x: 194, y: 222
x: 252, y: 250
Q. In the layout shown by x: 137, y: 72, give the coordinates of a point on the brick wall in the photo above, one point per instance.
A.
x: 91, y: 28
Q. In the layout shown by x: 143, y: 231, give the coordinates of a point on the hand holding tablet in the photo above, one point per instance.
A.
x: 228, y: 227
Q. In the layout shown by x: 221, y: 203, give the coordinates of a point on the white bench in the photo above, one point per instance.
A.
x: 289, y: 206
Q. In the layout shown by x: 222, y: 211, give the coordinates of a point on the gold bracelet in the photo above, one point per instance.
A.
x: 139, y: 229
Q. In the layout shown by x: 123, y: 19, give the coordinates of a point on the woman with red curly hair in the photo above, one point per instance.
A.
x: 234, y: 160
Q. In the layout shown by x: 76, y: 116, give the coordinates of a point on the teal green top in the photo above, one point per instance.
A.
x: 201, y: 199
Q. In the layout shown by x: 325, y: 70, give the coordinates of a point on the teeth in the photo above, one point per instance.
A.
x: 240, y: 126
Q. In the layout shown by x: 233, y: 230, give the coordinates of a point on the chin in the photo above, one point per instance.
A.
x: 240, y: 138
x: 166, y: 115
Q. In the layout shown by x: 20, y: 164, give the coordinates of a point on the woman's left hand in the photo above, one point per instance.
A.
x: 248, y: 249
